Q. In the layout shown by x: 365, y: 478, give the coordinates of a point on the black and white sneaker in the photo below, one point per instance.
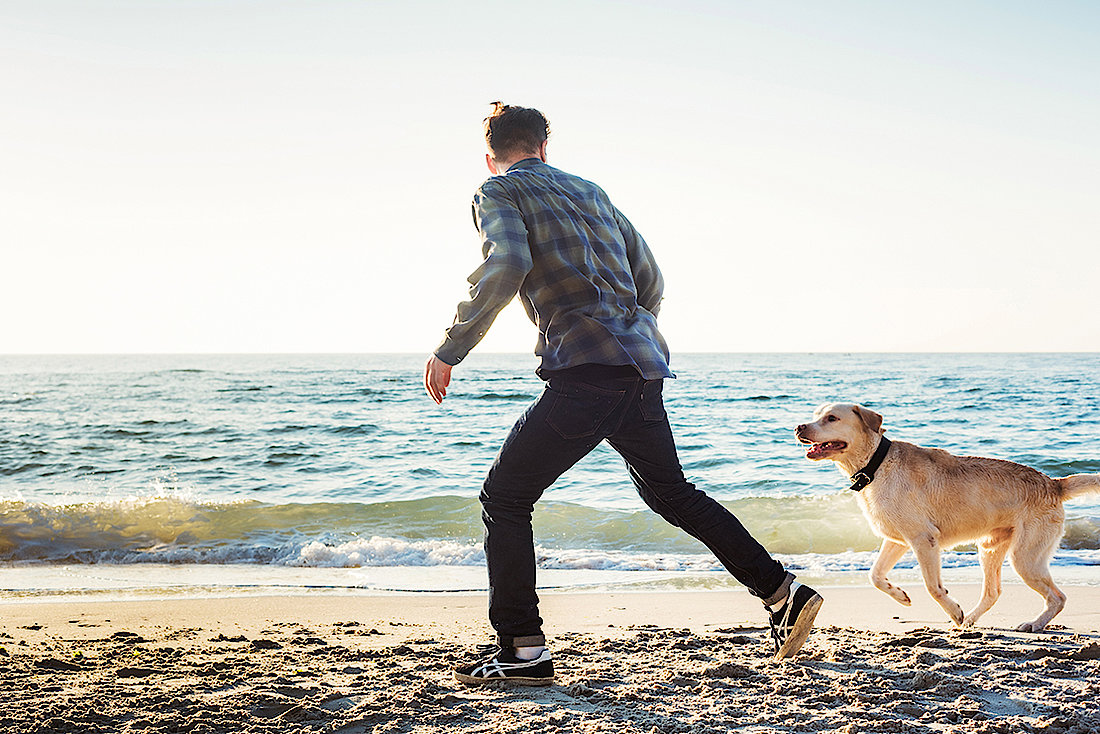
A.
x: 792, y: 623
x: 502, y: 666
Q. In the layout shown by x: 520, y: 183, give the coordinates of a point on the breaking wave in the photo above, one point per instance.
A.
x: 825, y: 533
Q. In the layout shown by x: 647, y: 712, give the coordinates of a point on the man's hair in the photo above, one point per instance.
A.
x: 511, y: 130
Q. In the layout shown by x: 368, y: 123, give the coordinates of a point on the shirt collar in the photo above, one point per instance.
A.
x: 525, y: 163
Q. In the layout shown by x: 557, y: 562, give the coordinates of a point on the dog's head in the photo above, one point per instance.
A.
x: 839, y: 430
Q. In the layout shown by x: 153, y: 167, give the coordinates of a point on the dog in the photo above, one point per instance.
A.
x: 927, y: 499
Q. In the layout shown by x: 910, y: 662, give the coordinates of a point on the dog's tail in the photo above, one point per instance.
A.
x: 1076, y: 485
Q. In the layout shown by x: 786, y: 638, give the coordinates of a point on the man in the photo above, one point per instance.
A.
x: 589, y: 283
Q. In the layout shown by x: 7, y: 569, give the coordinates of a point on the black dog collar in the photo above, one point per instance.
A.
x: 866, y: 475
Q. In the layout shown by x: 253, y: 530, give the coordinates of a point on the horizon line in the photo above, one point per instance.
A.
x: 529, y: 354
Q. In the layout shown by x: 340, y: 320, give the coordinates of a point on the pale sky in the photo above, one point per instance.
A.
x: 266, y: 176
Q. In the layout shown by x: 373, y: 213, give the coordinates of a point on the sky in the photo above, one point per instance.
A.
x: 270, y: 176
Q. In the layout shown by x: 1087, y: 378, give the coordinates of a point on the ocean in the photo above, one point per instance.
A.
x: 195, y: 475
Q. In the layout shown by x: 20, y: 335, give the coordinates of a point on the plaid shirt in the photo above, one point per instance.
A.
x: 585, y: 276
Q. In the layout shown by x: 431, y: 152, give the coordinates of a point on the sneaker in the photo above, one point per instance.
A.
x: 791, y: 625
x: 502, y: 666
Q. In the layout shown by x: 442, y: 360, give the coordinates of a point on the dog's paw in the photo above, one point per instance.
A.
x: 898, y: 595
x: 1029, y: 627
x: 968, y: 621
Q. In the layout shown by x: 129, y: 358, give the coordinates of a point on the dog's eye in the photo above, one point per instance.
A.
x: 831, y: 418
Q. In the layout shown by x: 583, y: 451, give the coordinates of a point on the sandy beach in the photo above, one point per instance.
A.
x: 627, y: 662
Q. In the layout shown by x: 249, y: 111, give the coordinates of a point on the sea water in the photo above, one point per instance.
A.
x: 229, y: 474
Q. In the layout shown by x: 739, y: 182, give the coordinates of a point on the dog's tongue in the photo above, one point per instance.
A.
x: 820, y: 449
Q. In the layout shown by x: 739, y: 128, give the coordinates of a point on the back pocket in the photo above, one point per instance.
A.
x: 652, y: 401
x: 579, y: 408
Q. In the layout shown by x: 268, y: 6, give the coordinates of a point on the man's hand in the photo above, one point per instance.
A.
x: 437, y: 376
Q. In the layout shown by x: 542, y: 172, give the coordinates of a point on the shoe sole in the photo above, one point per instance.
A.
x: 472, y: 680
x: 802, y: 626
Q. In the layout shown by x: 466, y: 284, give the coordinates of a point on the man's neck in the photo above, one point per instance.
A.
x: 502, y: 166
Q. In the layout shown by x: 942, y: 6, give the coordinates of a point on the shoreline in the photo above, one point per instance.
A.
x: 627, y: 662
x: 79, y: 584
x: 586, y: 611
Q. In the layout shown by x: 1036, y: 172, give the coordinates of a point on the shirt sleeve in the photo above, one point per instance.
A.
x: 648, y: 280
x: 497, y: 280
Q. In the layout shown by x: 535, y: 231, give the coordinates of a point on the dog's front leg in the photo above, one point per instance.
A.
x: 888, y: 556
x: 926, y: 546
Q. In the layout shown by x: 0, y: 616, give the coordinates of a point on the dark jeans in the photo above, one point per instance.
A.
x: 575, y: 412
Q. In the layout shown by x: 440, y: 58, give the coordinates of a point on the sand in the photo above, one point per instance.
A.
x: 646, y: 662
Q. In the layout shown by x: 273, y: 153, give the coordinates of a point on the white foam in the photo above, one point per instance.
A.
x: 378, y: 551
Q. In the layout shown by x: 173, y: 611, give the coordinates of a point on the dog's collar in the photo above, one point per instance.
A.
x: 866, y: 475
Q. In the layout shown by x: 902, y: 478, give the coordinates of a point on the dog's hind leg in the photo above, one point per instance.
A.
x: 888, y: 556
x: 926, y: 547
x: 991, y: 554
x: 1030, y: 556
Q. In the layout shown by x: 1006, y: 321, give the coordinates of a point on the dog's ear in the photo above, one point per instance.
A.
x: 870, y: 418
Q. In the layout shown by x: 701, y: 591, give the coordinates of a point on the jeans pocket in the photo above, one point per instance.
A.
x: 652, y: 400
x: 579, y: 409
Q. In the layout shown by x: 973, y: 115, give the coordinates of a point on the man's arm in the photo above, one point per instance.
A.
x: 493, y: 285
x: 648, y: 280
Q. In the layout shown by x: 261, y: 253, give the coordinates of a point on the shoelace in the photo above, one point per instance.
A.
x: 785, y: 621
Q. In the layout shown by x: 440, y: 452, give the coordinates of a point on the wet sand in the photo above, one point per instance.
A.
x: 645, y: 662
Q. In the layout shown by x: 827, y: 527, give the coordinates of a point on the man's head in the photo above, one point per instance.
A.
x: 514, y: 133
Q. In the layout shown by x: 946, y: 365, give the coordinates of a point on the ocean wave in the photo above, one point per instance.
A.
x: 1058, y: 467
x: 29, y: 466
x: 1082, y: 533
x: 502, y: 396
x: 364, y: 429
x: 761, y: 398
x: 378, y: 551
x: 388, y: 552
x: 291, y: 428
x: 437, y: 531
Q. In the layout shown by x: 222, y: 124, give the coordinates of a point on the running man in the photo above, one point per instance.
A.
x: 590, y: 284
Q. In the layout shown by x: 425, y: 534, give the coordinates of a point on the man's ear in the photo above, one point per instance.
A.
x: 490, y: 164
x: 542, y: 151
x: 870, y: 418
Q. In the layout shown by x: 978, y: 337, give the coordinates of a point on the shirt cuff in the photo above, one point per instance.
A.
x: 450, y: 353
